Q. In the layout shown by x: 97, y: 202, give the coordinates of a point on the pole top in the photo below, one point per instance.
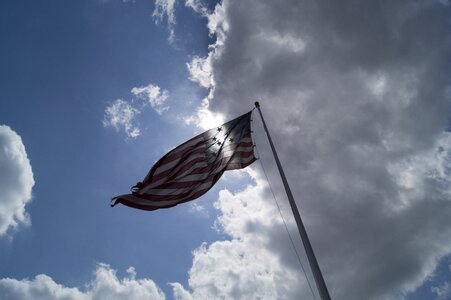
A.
x: 257, y: 104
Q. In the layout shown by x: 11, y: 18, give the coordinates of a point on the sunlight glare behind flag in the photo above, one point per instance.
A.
x: 191, y: 169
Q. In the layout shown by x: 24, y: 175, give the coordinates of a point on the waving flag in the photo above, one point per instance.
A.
x: 191, y: 169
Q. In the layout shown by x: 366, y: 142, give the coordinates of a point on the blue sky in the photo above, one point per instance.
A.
x: 62, y: 64
x: 97, y: 91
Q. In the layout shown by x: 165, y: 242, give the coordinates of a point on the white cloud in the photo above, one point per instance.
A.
x: 106, y: 285
x: 165, y: 9
x: 443, y: 292
x: 179, y: 292
x: 197, y: 6
x: 204, y: 118
x: 16, y: 180
x: 245, y: 267
x: 358, y: 110
x: 200, y: 71
x: 153, y: 95
x: 120, y: 115
x: 42, y: 287
x: 198, y: 209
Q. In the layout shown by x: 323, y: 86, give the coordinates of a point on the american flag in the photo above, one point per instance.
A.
x: 191, y: 169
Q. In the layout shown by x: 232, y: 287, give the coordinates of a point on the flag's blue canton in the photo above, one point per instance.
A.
x: 225, y: 135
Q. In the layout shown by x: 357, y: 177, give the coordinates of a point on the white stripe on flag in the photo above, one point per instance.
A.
x: 201, y: 164
x: 172, y: 164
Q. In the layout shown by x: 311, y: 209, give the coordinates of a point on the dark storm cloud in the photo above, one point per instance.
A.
x: 357, y: 96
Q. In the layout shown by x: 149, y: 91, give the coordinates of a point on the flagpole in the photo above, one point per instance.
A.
x: 319, y: 280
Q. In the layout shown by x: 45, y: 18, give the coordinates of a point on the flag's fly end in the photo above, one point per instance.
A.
x: 113, y: 202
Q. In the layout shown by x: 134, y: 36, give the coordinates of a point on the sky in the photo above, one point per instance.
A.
x: 356, y: 95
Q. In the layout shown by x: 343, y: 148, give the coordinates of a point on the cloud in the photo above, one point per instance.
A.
x: 120, y: 115
x: 16, y: 180
x: 165, y: 9
x: 106, y: 285
x: 203, y: 117
x: 245, y: 267
x: 198, y: 209
x: 198, y: 6
x: 153, y: 95
x: 357, y: 96
x: 179, y: 292
x: 200, y: 71
x: 443, y: 292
